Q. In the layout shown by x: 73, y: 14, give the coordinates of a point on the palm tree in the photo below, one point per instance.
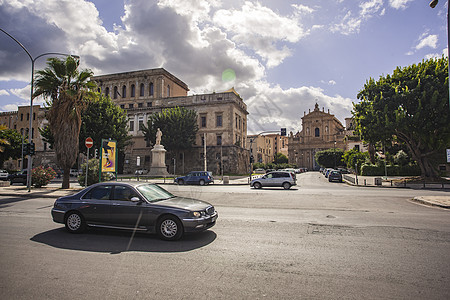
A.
x: 66, y: 91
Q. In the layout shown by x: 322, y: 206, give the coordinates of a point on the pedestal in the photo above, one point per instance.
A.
x: 158, y: 167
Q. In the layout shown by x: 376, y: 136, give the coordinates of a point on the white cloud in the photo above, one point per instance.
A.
x: 399, y: 4
x: 4, y: 93
x: 303, y: 9
x: 427, y: 41
x: 351, y: 22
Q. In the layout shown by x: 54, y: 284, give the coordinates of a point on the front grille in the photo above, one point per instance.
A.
x: 210, y: 210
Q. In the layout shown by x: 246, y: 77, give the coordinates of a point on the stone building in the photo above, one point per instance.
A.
x: 265, y: 147
x: 222, y: 121
x: 320, y: 131
x: 20, y: 121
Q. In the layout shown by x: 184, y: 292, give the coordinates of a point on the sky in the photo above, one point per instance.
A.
x: 281, y: 56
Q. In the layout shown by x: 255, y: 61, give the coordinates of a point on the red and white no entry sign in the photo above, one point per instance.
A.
x: 89, y: 142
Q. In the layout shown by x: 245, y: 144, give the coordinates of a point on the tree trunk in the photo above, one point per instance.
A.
x: 66, y: 178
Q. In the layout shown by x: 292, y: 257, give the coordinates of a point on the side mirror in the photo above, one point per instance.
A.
x: 135, y: 199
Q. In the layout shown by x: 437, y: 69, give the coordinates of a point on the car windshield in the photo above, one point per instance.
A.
x: 154, y: 193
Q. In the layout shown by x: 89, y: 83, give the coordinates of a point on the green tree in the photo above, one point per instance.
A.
x: 178, y: 126
x: 280, y: 158
x: 102, y: 119
x: 66, y: 90
x: 329, y: 158
x: 11, y: 146
x: 412, y: 106
x: 353, y: 157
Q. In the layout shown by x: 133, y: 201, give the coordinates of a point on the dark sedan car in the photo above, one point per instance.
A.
x: 136, y: 206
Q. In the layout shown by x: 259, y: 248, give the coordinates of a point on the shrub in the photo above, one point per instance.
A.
x: 41, y: 176
x: 92, y: 173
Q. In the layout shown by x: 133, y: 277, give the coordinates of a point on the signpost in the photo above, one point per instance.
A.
x: 89, y: 143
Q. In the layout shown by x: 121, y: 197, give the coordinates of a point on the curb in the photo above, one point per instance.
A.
x: 430, y: 202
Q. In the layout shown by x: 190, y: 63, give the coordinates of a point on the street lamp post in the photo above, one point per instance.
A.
x: 433, y: 5
x: 30, y: 132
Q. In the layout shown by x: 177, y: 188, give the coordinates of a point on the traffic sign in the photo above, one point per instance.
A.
x: 89, y: 142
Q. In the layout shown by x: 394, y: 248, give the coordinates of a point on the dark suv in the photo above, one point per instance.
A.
x: 196, y: 177
x: 283, y: 179
x: 20, y: 177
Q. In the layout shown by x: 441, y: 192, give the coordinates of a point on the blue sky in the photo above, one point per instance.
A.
x: 287, y: 55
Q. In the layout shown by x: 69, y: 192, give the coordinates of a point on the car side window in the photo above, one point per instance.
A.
x: 269, y: 175
x: 123, y: 193
x: 99, y: 193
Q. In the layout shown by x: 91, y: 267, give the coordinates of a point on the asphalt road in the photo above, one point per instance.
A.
x: 319, y: 240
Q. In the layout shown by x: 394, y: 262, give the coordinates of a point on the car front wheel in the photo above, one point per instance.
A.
x: 286, y: 185
x: 257, y: 185
x: 75, y: 222
x: 170, y: 228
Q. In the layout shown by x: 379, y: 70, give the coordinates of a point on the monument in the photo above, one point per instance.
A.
x: 158, y: 167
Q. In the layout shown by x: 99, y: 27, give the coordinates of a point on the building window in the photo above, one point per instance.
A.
x: 124, y: 91
x: 28, y: 116
x: 151, y: 89
x: 149, y: 104
x: 115, y: 92
x: 141, y: 90
x: 140, y: 123
x: 21, y: 117
x: 219, y: 120
x: 168, y: 91
x: 122, y: 106
x: 130, y: 105
x: 236, y: 121
x: 131, y: 126
x: 140, y: 105
x: 219, y: 140
x: 34, y: 116
x: 133, y: 91
x: 203, y: 141
x: 147, y: 158
x: 317, y: 132
x: 203, y: 121
x: 107, y: 92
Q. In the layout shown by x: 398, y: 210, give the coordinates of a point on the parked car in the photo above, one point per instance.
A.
x: 135, y: 206
x: 4, y: 175
x: 275, y: 179
x: 196, y: 177
x: 335, y: 175
x: 259, y: 171
x: 141, y: 172
x: 19, y: 177
x: 75, y: 172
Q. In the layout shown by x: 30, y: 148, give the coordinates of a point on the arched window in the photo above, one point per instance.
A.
x: 151, y: 89
x: 124, y: 91
x: 115, y: 92
x: 133, y: 90
x: 168, y: 91
x: 141, y: 90
x: 317, y: 132
x: 107, y: 92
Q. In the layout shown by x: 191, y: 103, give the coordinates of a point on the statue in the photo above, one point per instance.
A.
x: 158, y: 137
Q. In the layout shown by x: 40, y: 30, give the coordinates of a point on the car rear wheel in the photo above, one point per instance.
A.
x: 202, y: 182
x: 75, y: 222
x: 170, y: 228
x: 181, y: 181
x: 257, y: 185
x: 286, y: 185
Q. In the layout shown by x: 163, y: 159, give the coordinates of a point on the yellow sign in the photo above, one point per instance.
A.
x: 108, y: 156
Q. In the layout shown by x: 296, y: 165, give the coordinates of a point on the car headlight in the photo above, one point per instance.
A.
x: 196, y: 214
